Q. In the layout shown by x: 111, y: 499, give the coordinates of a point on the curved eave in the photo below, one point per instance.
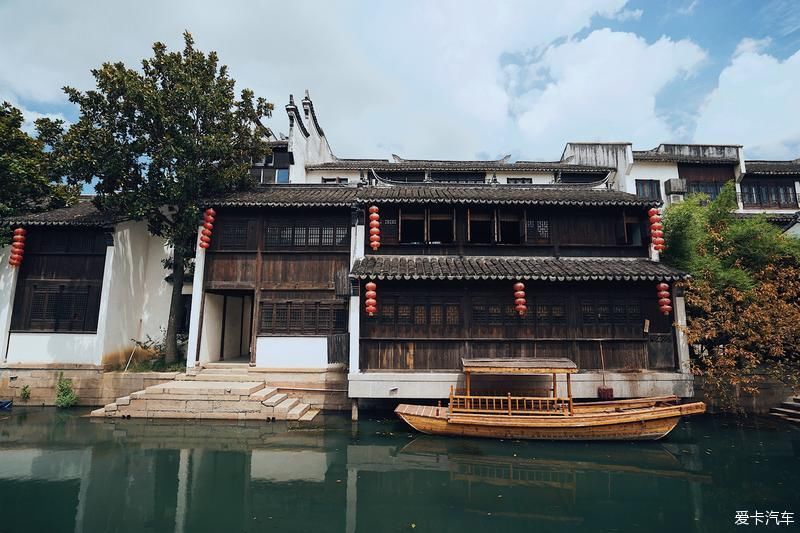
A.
x: 530, y: 277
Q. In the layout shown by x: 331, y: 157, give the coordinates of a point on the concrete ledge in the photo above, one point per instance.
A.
x: 436, y: 385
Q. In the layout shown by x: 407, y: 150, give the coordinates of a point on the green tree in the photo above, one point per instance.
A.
x: 743, y: 298
x: 162, y: 139
x: 29, y: 168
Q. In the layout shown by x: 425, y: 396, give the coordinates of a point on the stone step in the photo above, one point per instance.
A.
x: 792, y: 406
x: 216, y: 376
x: 787, y: 418
x: 263, y: 394
x: 283, y: 408
x: 244, y: 388
x: 786, y: 412
x: 242, y: 367
x: 297, y: 411
x: 309, y: 415
x: 274, y: 399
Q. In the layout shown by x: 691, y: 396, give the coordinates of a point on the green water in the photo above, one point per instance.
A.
x: 60, y: 472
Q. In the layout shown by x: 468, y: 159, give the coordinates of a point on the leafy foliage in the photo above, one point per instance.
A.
x: 744, y: 296
x: 65, y: 394
x: 25, y: 393
x: 162, y: 139
x: 29, y: 169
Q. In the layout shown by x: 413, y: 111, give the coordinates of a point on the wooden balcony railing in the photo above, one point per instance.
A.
x: 510, y: 405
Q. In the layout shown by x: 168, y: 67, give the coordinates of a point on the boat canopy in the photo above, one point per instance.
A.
x: 520, y: 366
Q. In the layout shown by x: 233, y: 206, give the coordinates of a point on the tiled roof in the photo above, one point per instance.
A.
x: 83, y: 213
x: 773, y: 167
x: 502, y: 194
x: 290, y: 196
x: 379, y: 165
x: 343, y: 195
x: 512, y: 268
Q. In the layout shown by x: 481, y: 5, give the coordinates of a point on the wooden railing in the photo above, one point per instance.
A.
x: 509, y: 405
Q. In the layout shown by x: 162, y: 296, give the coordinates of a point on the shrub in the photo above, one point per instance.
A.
x: 25, y: 394
x: 65, y: 395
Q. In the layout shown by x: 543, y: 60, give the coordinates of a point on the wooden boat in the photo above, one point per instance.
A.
x: 550, y: 417
x: 5, y: 405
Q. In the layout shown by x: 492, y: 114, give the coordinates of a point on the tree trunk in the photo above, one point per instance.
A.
x: 175, y: 306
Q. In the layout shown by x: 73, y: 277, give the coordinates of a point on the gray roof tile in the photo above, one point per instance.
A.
x: 512, y: 268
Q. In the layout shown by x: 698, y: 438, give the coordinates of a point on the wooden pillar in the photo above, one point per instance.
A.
x: 569, y: 392
x: 554, y: 385
x: 467, y: 383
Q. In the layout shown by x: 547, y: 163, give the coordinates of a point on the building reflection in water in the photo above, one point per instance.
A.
x: 166, y: 476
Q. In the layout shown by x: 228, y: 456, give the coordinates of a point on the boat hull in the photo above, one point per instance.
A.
x: 632, y: 424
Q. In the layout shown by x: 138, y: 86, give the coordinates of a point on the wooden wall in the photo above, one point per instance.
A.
x: 578, y: 231
x: 432, y: 325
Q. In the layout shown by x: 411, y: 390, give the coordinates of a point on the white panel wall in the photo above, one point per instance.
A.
x: 212, y: 328
x: 292, y: 352
x: 650, y: 171
x: 8, y: 283
x: 73, y: 348
x: 233, y: 327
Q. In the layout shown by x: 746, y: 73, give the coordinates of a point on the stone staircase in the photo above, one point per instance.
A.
x: 788, y: 410
x: 222, y: 393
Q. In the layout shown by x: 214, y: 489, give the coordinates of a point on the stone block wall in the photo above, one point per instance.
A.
x: 92, y: 384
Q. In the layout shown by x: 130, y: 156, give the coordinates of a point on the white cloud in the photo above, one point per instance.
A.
x: 423, y: 76
x: 689, y: 8
x: 628, y: 14
x: 748, y: 45
x: 604, y: 87
x: 756, y: 104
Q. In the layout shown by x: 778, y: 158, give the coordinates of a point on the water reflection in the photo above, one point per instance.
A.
x: 135, y: 475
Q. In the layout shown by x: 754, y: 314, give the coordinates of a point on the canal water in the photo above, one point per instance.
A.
x: 60, y: 472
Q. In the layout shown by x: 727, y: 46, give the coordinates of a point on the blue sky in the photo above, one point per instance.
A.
x: 454, y: 78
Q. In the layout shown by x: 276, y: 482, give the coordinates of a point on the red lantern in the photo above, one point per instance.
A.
x: 209, y: 217
x: 210, y: 212
x: 204, y: 245
x: 374, y: 228
x: 655, y: 219
x: 371, y: 303
x: 657, y: 226
x: 205, y: 232
x: 519, y: 298
x: 17, y: 247
x: 208, y: 225
x: 664, y: 302
x: 205, y: 239
x: 652, y: 212
x: 656, y: 233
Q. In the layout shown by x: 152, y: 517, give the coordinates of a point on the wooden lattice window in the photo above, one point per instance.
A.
x: 303, y: 318
x: 537, y: 230
x: 328, y: 233
x: 232, y: 234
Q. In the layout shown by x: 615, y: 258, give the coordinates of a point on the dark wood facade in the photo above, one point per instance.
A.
x: 60, y: 280
x: 295, y: 265
x: 412, y: 229
x: 431, y: 325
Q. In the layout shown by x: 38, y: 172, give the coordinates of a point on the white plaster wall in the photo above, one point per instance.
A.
x: 538, y: 178
x: 44, y: 464
x: 212, y: 328
x: 650, y: 171
x: 73, y: 348
x: 315, y: 176
x: 138, y: 295
x: 233, y: 327
x: 8, y: 283
x: 292, y: 352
